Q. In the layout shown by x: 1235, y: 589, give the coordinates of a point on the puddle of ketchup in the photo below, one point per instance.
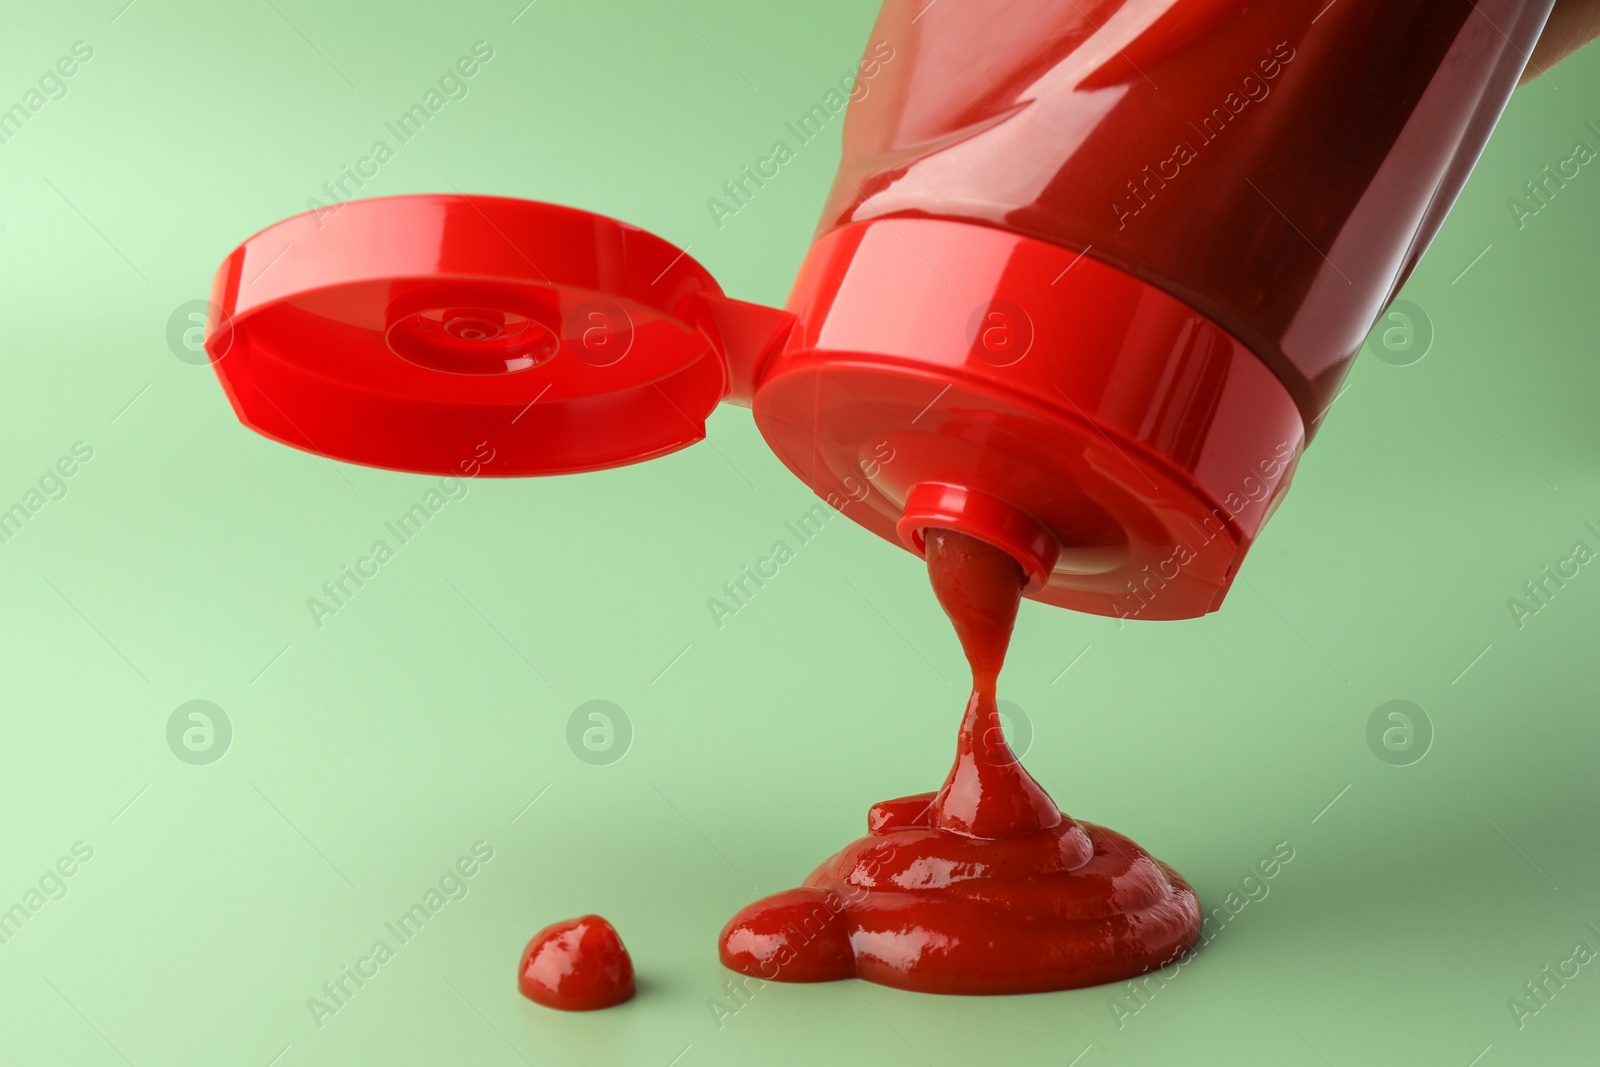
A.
x: 576, y: 965
x: 985, y: 886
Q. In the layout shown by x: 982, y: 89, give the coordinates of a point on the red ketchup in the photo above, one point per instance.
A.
x: 984, y: 886
x: 576, y: 965
x: 1088, y: 281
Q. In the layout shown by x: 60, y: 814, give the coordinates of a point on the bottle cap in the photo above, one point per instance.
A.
x: 403, y: 332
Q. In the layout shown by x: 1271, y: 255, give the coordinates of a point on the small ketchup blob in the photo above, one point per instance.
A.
x: 576, y: 965
x: 985, y: 886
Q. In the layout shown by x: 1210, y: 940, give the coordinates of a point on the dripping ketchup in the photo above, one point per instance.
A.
x: 985, y: 886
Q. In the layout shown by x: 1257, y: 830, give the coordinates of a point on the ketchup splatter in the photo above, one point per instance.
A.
x: 576, y: 965
x: 985, y: 886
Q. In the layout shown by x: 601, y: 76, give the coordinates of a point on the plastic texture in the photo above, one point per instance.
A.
x: 1280, y: 167
x: 1089, y: 279
x: 1121, y: 447
x: 403, y: 332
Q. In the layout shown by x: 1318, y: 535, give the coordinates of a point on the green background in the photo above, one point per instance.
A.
x: 367, y: 756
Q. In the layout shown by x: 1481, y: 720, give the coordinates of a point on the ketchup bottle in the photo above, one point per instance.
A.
x: 1088, y: 280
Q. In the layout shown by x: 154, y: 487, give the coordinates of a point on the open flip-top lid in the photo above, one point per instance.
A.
x: 1122, y: 447
x: 405, y: 332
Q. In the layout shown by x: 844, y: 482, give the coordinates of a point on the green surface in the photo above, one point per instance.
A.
x: 368, y: 755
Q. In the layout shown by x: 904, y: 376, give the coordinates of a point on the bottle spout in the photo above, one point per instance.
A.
x: 986, y: 517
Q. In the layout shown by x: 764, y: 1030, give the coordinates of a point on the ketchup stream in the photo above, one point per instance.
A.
x: 986, y: 886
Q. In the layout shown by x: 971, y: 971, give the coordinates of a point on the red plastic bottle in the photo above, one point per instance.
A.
x: 1089, y: 278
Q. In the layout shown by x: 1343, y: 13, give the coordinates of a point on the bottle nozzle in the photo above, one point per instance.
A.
x: 988, y: 518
